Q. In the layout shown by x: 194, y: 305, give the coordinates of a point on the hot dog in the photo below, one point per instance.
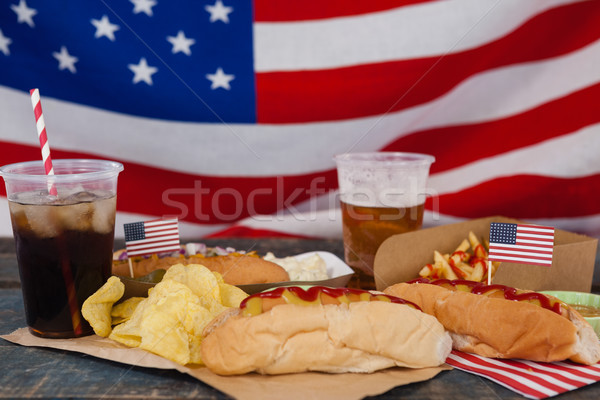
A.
x: 504, y: 322
x: 236, y: 268
x: 289, y: 330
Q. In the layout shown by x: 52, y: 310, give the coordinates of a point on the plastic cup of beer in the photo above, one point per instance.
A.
x: 381, y: 194
x: 64, y: 242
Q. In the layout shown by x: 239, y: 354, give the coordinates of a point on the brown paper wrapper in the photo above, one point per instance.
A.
x: 244, y: 387
x: 401, y: 257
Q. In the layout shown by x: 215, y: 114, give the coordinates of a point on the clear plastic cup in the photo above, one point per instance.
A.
x: 381, y: 194
x: 64, y: 242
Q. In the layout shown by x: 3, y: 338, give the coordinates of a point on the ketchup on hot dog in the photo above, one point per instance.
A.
x: 510, y: 293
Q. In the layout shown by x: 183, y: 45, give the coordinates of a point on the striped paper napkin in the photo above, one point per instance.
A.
x: 535, y: 380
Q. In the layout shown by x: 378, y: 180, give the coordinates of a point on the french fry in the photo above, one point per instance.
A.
x: 426, y: 270
x: 463, y: 246
x: 459, y: 257
x: 446, y: 270
x: 478, y: 249
x: 479, y: 270
x: 468, y: 269
x: 468, y: 261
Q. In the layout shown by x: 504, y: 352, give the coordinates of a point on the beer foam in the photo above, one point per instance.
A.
x: 376, y: 187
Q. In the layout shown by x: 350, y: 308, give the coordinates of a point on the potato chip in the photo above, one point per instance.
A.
x: 219, y: 278
x: 198, y: 319
x: 201, y: 281
x: 129, y: 333
x: 162, y: 326
x: 173, y: 322
x: 96, y: 308
x: 170, y: 321
x: 232, y: 296
x: 123, y: 311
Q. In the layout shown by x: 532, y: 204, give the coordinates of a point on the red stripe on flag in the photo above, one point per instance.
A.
x: 514, y: 384
x: 153, y: 247
x: 241, y: 231
x: 559, y: 377
x: 539, y: 233
x: 324, y: 95
x: 171, y: 193
x: 287, y: 11
x: 539, y: 241
x: 567, y: 383
x: 547, y: 369
x: 521, y: 260
x: 502, y: 366
x: 153, y: 241
x: 541, y: 252
x: 159, y: 231
x: 536, y: 228
x: 523, y: 197
x: 584, y: 371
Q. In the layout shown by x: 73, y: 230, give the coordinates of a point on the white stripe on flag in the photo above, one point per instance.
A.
x: 439, y: 26
x: 533, y: 235
x: 535, y: 229
x: 173, y: 235
x: 499, y: 252
x: 162, y: 233
x: 175, y: 241
x: 538, y: 242
x: 546, y: 377
x: 523, y: 259
x: 544, y: 249
x: 144, y: 251
x: 158, y: 228
x: 534, y: 385
x: 573, y: 376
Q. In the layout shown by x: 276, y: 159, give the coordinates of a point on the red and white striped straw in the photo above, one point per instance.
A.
x: 66, y: 268
x: 41, y: 130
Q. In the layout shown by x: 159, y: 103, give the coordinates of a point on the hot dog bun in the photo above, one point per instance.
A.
x: 501, y: 328
x: 236, y: 269
x: 362, y: 336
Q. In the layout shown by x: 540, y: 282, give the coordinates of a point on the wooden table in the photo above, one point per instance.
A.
x: 28, y: 372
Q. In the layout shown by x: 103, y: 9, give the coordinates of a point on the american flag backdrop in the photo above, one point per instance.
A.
x: 226, y: 113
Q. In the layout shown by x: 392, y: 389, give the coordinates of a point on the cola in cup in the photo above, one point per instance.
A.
x: 381, y: 194
x: 64, y: 242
